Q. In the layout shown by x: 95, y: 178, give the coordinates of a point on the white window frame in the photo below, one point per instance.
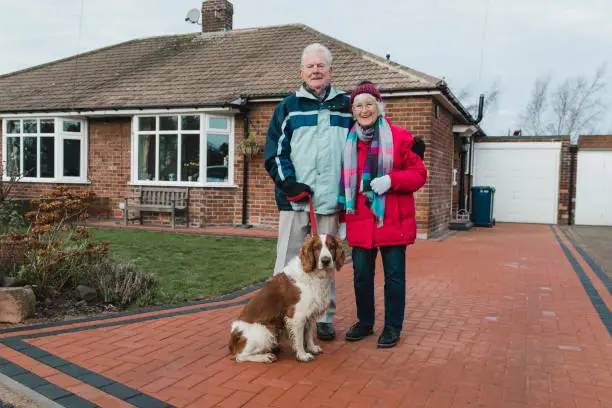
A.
x: 59, y: 136
x: 205, y: 129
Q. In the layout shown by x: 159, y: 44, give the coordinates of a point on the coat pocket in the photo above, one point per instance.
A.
x: 406, y: 206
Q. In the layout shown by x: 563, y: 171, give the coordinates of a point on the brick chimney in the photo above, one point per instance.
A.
x: 217, y: 15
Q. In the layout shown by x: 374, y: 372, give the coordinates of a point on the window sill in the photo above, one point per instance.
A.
x: 181, y: 184
x: 48, y: 181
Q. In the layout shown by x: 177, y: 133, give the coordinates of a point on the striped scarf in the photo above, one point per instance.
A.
x: 379, y: 162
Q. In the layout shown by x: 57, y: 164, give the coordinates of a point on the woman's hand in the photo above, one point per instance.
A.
x: 380, y: 185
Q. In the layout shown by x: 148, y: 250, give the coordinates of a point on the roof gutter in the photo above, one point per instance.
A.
x: 443, y: 89
x: 126, y: 110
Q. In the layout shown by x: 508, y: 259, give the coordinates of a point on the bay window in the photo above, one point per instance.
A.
x: 45, y: 149
x: 182, y: 149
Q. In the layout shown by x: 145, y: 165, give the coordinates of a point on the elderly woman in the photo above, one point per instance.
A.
x: 380, y: 175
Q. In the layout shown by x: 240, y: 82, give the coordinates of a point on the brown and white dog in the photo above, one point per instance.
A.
x: 289, y: 303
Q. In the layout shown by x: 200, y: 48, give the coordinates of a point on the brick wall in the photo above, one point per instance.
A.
x: 457, y: 165
x: 261, y: 208
x: 565, y: 195
x: 109, y: 159
x: 595, y: 142
x: 439, y: 161
x: 109, y: 167
x: 564, y: 170
x: 109, y: 170
x: 414, y: 115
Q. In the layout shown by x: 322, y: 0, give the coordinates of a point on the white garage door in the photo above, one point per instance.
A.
x: 525, y: 176
x: 593, y: 188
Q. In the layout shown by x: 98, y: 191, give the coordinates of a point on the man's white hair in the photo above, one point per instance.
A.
x: 317, y: 48
x: 366, y: 97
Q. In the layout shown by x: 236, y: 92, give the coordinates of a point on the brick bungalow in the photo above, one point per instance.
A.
x: 170, y: 110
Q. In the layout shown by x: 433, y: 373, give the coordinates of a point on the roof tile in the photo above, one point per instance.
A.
x: 194, y: 70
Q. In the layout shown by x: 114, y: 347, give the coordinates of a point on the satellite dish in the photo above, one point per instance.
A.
x: 193, y: 16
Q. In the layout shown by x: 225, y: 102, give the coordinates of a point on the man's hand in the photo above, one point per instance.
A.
x: 342, y: 231
x: 380, y: 185
x: 296, y: 191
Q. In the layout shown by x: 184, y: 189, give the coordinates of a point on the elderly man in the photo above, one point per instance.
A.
x: 303, y: 154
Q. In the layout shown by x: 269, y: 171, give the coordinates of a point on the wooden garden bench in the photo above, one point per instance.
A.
x: 159, y: 199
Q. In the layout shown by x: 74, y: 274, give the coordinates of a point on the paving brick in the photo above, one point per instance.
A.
x: 206, y: 401
x: 448, y: 356
x: 237, y: 399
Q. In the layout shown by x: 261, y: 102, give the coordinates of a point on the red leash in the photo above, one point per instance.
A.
x: 313, y: 218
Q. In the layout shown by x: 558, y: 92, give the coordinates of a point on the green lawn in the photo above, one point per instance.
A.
x: 189, y: 266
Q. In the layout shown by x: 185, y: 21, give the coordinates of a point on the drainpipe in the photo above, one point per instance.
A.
x: 470, y: 175
x: 462, y: 187
x: 241, y: 105
x: 480, y: 109
x: 462, y: 175
x: 570, y: 204
x: 472, y: 141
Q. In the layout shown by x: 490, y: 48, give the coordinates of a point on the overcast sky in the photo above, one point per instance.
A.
x: 512, y: 43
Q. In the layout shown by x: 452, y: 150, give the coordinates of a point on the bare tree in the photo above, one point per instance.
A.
x: 533, y: 117
x: 578, y: 104
x: 575, y: 106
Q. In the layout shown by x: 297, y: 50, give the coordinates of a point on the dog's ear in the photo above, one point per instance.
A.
x: 338, y: 251
x: 307, y: 255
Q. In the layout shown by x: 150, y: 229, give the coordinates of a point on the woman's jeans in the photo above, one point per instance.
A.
x: 394, y: 264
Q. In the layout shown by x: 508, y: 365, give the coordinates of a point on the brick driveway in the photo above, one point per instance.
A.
x: 509, y: 317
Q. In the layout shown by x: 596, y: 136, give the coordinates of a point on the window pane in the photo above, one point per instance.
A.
x: 146, y: 124
x: 190, y: 123
x: 72, y: 126
x: 217, y: 123
x: 168, y: 150
x: 30, y: 126
x: 217, y: 158
x: 12, y: 126
x: 72, y: 158
x: 190, y: 158
x: 168, y: 123
x: 47, y: 156
x: 146, y: 157
x: 13, y: 156
x: 30, y: 150
x: 47, y: 126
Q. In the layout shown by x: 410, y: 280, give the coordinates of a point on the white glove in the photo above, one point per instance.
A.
x: 380, y: 185
x: 342, y: 230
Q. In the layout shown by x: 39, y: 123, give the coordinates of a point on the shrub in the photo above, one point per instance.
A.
x: 10, y: 216
x: 13, y: 247
x: 122, y: 283
x: 60, y: 254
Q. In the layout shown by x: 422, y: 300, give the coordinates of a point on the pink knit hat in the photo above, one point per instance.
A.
x: 365, y: 87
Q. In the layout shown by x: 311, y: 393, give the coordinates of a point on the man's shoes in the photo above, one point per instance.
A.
x: 388, y: 338
x: 358, y: 332
x: 325, y: 331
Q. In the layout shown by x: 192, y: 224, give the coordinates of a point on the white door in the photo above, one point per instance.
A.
x: 525, y: 176
x: 594, y: 188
